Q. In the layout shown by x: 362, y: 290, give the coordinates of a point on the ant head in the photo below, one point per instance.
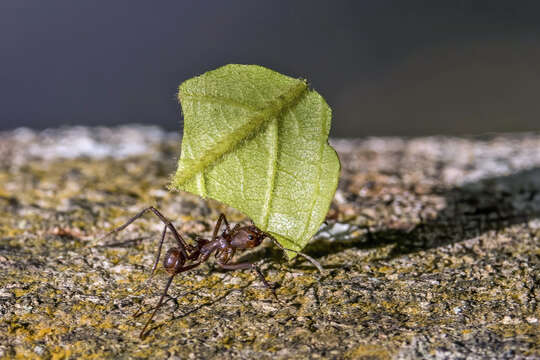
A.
x: 247, y: 237
x: 174, y: 260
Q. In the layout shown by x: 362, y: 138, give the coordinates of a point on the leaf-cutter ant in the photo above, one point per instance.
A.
x: 223, y: 247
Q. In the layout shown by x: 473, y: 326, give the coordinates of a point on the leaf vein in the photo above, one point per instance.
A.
x: 219, y: 100
x: 189, y: 168
x: 274, y: 148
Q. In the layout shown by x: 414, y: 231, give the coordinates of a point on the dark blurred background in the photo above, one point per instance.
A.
x: 385, y: 67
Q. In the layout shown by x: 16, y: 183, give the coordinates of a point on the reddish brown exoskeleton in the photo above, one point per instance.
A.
x: 184, y: 256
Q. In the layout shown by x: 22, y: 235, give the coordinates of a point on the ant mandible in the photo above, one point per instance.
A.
x: 223, y: 246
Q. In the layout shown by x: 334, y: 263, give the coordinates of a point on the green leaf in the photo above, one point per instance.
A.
x: 257, y: 140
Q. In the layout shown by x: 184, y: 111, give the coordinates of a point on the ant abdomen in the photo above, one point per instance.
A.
x: 174, y: 260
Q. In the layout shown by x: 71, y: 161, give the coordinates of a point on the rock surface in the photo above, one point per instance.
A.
x: 431, y: 250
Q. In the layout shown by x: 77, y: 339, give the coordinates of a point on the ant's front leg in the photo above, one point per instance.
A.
x: 244, y: 266
x: 312, y: 260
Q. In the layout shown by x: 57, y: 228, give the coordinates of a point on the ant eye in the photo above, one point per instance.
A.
x: 250, y: 237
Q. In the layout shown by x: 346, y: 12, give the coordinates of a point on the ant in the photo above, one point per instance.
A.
x: 223, y: 246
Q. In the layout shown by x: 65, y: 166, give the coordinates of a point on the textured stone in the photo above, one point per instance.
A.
x: 431, y: 250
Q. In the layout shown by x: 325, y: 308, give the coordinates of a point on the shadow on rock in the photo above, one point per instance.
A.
x: 473, y: 209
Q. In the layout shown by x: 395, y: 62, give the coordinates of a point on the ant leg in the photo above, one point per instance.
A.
x: 159, y: 251
x: 218, y: 225
x: 141, y: 335
x: 181, y: 242
x: 222, y: 215
x: 234, y: 229
x: 186, y: 268
x: 157, y: 259
x: 312, y: 260
x: 243, y: 266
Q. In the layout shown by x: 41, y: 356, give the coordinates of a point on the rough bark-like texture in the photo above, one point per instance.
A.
x: 431, y: 250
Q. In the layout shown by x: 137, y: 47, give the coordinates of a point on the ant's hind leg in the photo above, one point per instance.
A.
x: 141, y: 335
x: 156, y: 262
x: 159, y: 251
x: 126, y: 224
x: 184, y: 247
x: 243, y: 266
x: 160, y: 302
